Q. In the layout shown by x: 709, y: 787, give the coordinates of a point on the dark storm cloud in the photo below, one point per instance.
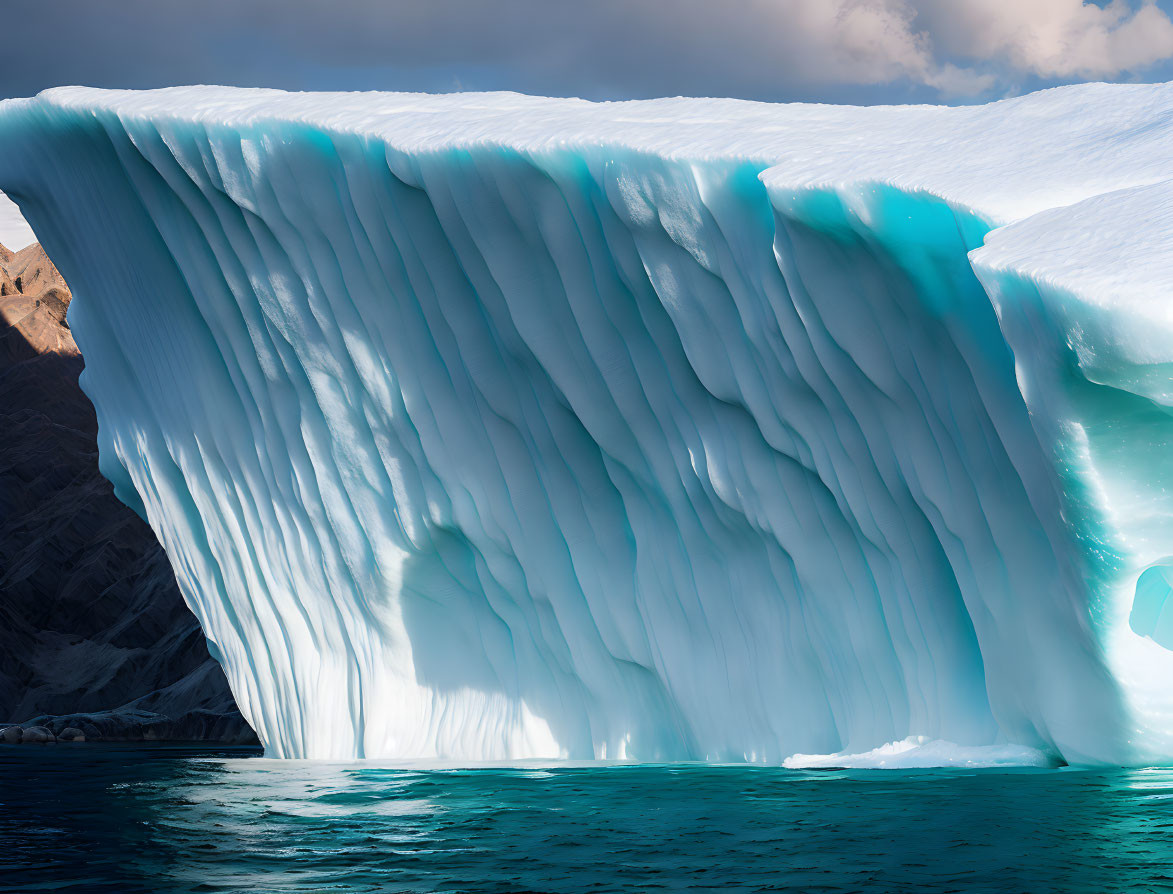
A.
x: 596, y: 49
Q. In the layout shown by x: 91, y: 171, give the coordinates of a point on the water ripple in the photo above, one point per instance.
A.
x: 100, y: 819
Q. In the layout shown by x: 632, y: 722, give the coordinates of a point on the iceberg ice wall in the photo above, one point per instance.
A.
x: 493, y: 427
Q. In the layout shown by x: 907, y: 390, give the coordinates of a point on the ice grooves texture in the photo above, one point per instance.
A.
x: 489, y: 452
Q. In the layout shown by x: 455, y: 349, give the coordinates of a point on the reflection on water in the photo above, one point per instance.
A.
x: 170, y: 819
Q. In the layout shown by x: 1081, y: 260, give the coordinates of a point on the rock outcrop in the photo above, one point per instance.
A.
x: 93, y: 632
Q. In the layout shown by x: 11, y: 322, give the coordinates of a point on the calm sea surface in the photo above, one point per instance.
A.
x: 102, y: 818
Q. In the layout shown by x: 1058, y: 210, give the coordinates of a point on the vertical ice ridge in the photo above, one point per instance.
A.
x: 256, y: 575
x: 1091, y: 349
x: 859, y: 213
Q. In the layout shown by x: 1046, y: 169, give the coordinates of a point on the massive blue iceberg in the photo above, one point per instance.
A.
x: 494, y: 427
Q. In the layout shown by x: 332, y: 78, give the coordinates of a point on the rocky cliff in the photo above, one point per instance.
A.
x: 93, y: 632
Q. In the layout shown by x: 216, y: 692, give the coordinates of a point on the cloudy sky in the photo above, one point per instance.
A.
x: 830, y: 50
x: 861, y: 51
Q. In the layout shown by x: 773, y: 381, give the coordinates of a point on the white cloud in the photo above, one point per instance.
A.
x: 1050, y: 38
x: 876, y: 42
x: 957, y: 45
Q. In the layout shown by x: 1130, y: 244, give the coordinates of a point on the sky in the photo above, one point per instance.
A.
x: 14, y: 232
x: 814, y: 50
x: 857, y: 51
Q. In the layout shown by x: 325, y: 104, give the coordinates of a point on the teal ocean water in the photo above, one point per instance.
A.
x: 102, y: 818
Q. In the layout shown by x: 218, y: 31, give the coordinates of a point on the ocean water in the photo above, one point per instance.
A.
x: 105, y: 818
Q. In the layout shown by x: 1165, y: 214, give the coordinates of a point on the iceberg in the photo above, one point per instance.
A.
x: 495, y: 427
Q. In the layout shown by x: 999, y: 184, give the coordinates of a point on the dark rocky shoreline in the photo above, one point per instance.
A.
x: 94, y: 634
x: 131, y: 726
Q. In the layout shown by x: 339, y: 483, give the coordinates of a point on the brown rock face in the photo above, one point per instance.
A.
x: 33, y: 301
x: 91, y: 621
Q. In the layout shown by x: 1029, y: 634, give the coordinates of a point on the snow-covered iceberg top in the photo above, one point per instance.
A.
x: 486, y: 426
x: 1005, y: 160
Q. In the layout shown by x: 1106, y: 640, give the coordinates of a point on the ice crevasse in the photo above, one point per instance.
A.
x: 490, y: 427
